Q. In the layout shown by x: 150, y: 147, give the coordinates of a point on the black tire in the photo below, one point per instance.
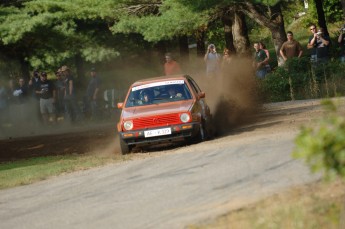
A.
x: 125, y: 148
x: 199, y: 137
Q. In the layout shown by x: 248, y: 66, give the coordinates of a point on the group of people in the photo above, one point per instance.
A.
x: 52, y: 100
x: 318, y: 44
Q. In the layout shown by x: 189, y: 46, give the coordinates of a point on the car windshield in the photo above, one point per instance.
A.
x: 158, y: 92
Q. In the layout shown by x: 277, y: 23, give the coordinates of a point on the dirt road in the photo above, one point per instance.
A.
x: 172, y: 188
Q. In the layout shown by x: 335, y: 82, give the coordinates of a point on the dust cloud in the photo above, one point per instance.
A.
x: 232, y: 96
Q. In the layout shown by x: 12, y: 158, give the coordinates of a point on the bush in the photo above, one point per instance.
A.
x: 300, y: 79
x: 323, y: 145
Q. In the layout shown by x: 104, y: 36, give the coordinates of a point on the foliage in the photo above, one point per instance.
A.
x: 173, y: 19
x: 49, y: 32
x: 332, y: 10
x: 301, y: 79
x: 323, y: 145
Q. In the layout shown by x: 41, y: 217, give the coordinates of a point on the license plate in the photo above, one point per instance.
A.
x: 158, y: 132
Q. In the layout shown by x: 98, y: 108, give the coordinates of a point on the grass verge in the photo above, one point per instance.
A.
x: 32, y: 170
x: 315, y: 206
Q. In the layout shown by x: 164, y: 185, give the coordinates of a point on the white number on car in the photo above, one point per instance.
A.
x: 158, y: 132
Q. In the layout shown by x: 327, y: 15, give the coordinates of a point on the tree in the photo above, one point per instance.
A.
x: 45, y: 34
x: 321, y: 16
x: 343, y: 5
x: 270, y: 17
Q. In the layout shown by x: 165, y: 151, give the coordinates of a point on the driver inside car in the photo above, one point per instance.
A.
x: 147, y: 97
x: 173, y: 94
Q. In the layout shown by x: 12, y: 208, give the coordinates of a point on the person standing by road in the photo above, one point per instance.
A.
x: 20, y: 92
x: 311, y: 46
x: 47, y: 94
x: 291, y: 48
x: 260, y: 59
x: 92, y: 95
x: 320, y: 42
x: 341, y: 42
x: 171, y: 67
x: 212, y: 60
x: 72, y: 111
x: 60, y: 93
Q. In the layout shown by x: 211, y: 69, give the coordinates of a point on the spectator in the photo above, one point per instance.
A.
x: 320, y: 42
x: 46, y: 91
x: 20, y: 92
x: 171, y: 67
x: 34, y: 83
x: 291, y: 48
x: 20, y: 109
x: 60, y: 93
x: 313, y: 30
x: 267, y: 65
x: 260, y: 60
x: 92, y: 95
x: 72, y: 111
x: 3, y: 103
x: 341, y: 42
x: 226, y: 58
x: 212, y: 60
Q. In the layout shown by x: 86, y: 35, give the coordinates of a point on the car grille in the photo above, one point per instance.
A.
x: 156, y: 121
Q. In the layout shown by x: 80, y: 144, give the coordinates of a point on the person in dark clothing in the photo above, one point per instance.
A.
x: 319, y: 43
x: 47, y: 94
x: 92, y: 95
x: 72, y: 110
x: 341, y: 42
x: 21, y: 92
x: 60, y: 93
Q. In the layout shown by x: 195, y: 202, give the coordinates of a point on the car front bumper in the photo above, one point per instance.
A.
x: 178, y: 133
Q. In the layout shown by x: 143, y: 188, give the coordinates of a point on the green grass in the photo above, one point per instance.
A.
x: 32, y: 170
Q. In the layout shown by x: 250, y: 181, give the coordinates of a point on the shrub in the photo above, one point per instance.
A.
x: 323, y: 145
x: 300, y: 79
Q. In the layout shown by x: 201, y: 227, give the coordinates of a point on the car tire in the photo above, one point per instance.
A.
x: 125, y: 148
x: 199, y: 136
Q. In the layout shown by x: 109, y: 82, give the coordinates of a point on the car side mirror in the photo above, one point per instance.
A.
x: 201, y: 95
x: 120, y: 105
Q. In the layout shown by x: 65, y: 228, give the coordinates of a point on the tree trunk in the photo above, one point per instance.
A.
x: 321, y: 16
x: 79, y: 64
x: 229, y: 40
x: 240, y: 34
x: 184, y: 49
x: 273, y: 20
x: 200, y: 43
x: 24, y: 69
x: 343, y: 4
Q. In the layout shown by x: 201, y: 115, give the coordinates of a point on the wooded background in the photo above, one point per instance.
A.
x: 45, y: 34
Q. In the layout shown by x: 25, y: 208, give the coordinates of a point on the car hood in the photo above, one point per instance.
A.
x: 157, y: 109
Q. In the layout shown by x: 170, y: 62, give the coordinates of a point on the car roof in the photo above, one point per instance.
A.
x: 161, y: 78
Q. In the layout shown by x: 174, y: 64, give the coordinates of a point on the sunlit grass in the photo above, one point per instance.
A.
x: 316, y: 206
x: 31, y: 170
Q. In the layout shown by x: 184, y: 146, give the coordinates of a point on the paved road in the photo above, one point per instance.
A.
x: 169, y: 190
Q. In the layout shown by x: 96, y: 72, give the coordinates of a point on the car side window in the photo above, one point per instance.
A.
x: 195, y: 89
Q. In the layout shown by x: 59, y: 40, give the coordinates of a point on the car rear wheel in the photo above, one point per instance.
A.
x: 125, y: 148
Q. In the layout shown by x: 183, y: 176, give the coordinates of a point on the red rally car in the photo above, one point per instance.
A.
x: 162, y: 110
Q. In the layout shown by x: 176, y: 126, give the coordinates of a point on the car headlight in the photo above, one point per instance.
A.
x: 184, y: 117
x: 128, y: 125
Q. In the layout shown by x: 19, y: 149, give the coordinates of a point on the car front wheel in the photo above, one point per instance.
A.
x: 125, y: 148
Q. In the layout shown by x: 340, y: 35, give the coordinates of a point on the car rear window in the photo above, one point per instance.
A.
x: 158, y: 92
